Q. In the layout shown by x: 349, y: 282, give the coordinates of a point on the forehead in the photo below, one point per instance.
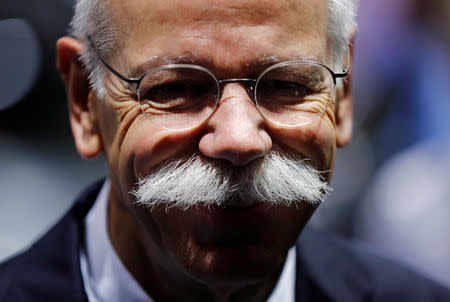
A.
x: 222, y: 32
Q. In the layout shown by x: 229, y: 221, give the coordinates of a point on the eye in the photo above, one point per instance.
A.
x: 293, y: 89
x: 177, y: 94
x: 166, y: 92
x: 280, y: 88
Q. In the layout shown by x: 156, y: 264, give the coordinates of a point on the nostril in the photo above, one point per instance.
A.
x: 238, y: 146
x: 236, y: 131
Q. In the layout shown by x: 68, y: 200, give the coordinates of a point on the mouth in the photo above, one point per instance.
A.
x: 238, y: 203
x: 233, y: 224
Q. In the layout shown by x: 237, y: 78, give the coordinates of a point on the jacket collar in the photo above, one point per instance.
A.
x: 53, y: 260
x: 327, y: 269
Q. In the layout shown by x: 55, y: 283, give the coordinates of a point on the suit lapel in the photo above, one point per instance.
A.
x: 50, y: 269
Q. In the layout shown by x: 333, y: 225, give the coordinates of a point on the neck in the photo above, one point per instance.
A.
x: 162, y: 278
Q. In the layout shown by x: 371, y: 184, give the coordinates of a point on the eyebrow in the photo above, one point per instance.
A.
x: 259, y: 63
x: 272, y: 60
x: 152, y: 62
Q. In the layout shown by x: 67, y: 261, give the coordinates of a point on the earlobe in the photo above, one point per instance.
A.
x: 80, y: 98
x: 344, y: 109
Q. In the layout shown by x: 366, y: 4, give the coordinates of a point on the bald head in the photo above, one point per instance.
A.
x: 107, y: 20
x: 194, y: 64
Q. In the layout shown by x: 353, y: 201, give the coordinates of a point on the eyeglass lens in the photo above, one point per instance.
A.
x: 294, y: 94
x: 178, y: 97
x: 184, y: 97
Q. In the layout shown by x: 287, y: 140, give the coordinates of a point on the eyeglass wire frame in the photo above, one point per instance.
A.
x: 137, y: 81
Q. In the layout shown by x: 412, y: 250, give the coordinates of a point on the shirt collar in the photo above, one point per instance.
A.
x: 105, y: 277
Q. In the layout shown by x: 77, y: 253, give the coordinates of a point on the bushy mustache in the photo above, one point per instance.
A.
x: 277, y: 178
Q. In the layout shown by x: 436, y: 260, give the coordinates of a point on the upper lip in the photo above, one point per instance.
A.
x: 239, y: 203
x: 230, y: 236
x: 229, y: 226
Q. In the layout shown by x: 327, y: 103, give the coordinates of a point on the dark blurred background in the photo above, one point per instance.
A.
x: 391, y: 184
x: 40, y: 170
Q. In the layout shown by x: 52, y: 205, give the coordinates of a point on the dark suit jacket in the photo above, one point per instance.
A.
x: 328, y: 269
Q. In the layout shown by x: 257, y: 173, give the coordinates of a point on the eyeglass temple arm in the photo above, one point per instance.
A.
x: 344, y: 73
x: 109, y: 67
x: 340, y: 75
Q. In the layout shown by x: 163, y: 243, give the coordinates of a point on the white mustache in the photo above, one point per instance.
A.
x: 278, y: 179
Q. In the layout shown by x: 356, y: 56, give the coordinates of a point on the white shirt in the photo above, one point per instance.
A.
x: 105, y: 277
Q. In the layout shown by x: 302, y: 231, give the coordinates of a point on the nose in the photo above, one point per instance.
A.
x: 236, y: 131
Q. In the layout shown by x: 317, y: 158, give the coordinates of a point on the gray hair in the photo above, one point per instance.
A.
x: 341, y: 27
x: 91, y: 18
x: 276, y: 179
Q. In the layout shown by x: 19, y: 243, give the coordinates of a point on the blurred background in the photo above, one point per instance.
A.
x: 391, y: 184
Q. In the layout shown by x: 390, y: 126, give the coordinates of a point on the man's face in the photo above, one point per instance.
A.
x: 227, y: 37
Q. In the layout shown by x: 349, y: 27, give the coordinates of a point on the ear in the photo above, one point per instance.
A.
x: 80, y: 97
x: 344, y: 108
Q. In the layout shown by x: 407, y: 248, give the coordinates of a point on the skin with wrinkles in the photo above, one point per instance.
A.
x: 196, y: 254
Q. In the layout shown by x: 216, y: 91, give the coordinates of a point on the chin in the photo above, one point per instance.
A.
x: 234, y: 264
x: 230, y: 244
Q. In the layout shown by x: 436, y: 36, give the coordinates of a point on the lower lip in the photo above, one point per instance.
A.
x: 230, y: 227
x: 233, y: 213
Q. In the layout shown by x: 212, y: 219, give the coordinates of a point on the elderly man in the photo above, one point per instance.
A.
x: 219, y: 121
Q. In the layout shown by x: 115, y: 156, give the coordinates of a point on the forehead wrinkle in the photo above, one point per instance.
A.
x: 162, y: 13
x: 257, y: 64
x: 155, y: 61
x: 240, y: 12
x: 142, y: 34
x: 296, y: 13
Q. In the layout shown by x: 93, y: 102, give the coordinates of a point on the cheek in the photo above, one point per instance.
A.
x: 145, y: 145
x: 315, y: 141
x: 107, y: 122
x: 153, y: 145
x: 118, y: 121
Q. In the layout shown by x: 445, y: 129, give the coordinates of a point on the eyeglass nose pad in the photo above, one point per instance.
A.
x: 251, y: 93
x: 248, y: 84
